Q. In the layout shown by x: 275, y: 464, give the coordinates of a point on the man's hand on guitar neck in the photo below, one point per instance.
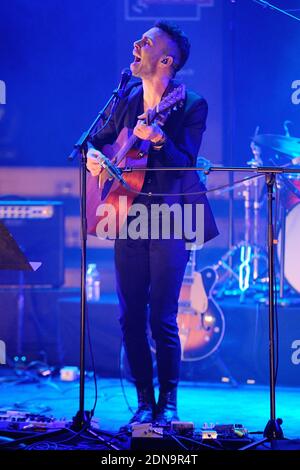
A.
x: 149, y: 132
x: 92, y: 163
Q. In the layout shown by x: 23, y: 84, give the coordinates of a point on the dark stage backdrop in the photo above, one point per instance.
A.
x: 262, y: 74
x: 60, y: 60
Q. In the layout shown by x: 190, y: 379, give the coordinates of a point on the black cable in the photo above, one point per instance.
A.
x: 228, y: 187
x: 121, y: 369
x: 93, y: 365
x: 199, y: 443
x: 172, y: 436
x: 103, y: 127
x: 206, y: 445
x: 276, y: 296
x: 43, y: 445
x: 74, y: 434
x: 77, y: 434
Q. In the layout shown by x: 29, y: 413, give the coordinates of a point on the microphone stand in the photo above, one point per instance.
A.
x: 272, y: 431
x: 82, y: 419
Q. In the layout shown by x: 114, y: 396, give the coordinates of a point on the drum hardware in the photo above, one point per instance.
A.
x: 251, y: 263
x: 248, y: 270
x: 288, y: 186
x: 280, y: 143
x: 246, y: 261
x: 245, y: 258
x: 256, y: 161
x: 286, y: 243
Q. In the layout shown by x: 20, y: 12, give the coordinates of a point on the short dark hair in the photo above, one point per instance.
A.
x: 179, y: 38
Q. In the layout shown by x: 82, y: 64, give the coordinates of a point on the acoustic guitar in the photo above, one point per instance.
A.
x: 127, y: 151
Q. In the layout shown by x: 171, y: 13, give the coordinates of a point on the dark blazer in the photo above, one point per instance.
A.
x: 183, y: 128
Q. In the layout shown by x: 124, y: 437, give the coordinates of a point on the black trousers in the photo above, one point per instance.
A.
x: 149, y: 276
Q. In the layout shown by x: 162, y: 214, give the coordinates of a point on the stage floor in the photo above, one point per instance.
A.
x: 198, y: 402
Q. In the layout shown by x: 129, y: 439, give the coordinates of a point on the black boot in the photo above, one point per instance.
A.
x: 166, y: 410
x: 146, y: 407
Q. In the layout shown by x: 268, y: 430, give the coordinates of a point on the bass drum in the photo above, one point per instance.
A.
x: 292, y: 251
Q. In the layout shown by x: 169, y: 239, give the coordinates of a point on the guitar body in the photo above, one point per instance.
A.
x: 104, y: 190
x: 104, y: 206
x: 200, y: 320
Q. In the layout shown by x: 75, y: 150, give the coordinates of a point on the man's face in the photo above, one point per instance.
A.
x: 148, y: 52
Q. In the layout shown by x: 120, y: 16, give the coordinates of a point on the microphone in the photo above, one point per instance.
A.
x: 118, y: 93
x: 126, y: 75
x: 111, y: 169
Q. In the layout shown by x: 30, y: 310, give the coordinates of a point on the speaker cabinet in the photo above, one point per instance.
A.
x: 245, y: 347
x: 38, y: 229
x: 104, y: 329
x: 29, y: 323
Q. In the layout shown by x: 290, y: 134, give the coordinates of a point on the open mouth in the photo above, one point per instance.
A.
x: 136, y: 59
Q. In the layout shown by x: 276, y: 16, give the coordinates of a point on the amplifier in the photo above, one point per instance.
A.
x: 38, y: 229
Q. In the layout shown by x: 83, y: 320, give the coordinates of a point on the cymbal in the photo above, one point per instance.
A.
x: 281, y: 143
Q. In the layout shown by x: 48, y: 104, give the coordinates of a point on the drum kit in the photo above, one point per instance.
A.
x: 250, y: 269
x: 288, y: 192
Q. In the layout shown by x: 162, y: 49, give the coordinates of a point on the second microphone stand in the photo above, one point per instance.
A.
x: 272, y: 431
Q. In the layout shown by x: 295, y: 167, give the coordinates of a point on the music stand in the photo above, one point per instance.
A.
x: 12, y: 258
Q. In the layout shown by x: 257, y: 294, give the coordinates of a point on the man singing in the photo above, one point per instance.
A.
x: 150, y: 271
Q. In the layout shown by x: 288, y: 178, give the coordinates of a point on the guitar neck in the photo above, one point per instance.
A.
x: 123, y: 150
x: 162, y: 109
x: 132, y: 140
